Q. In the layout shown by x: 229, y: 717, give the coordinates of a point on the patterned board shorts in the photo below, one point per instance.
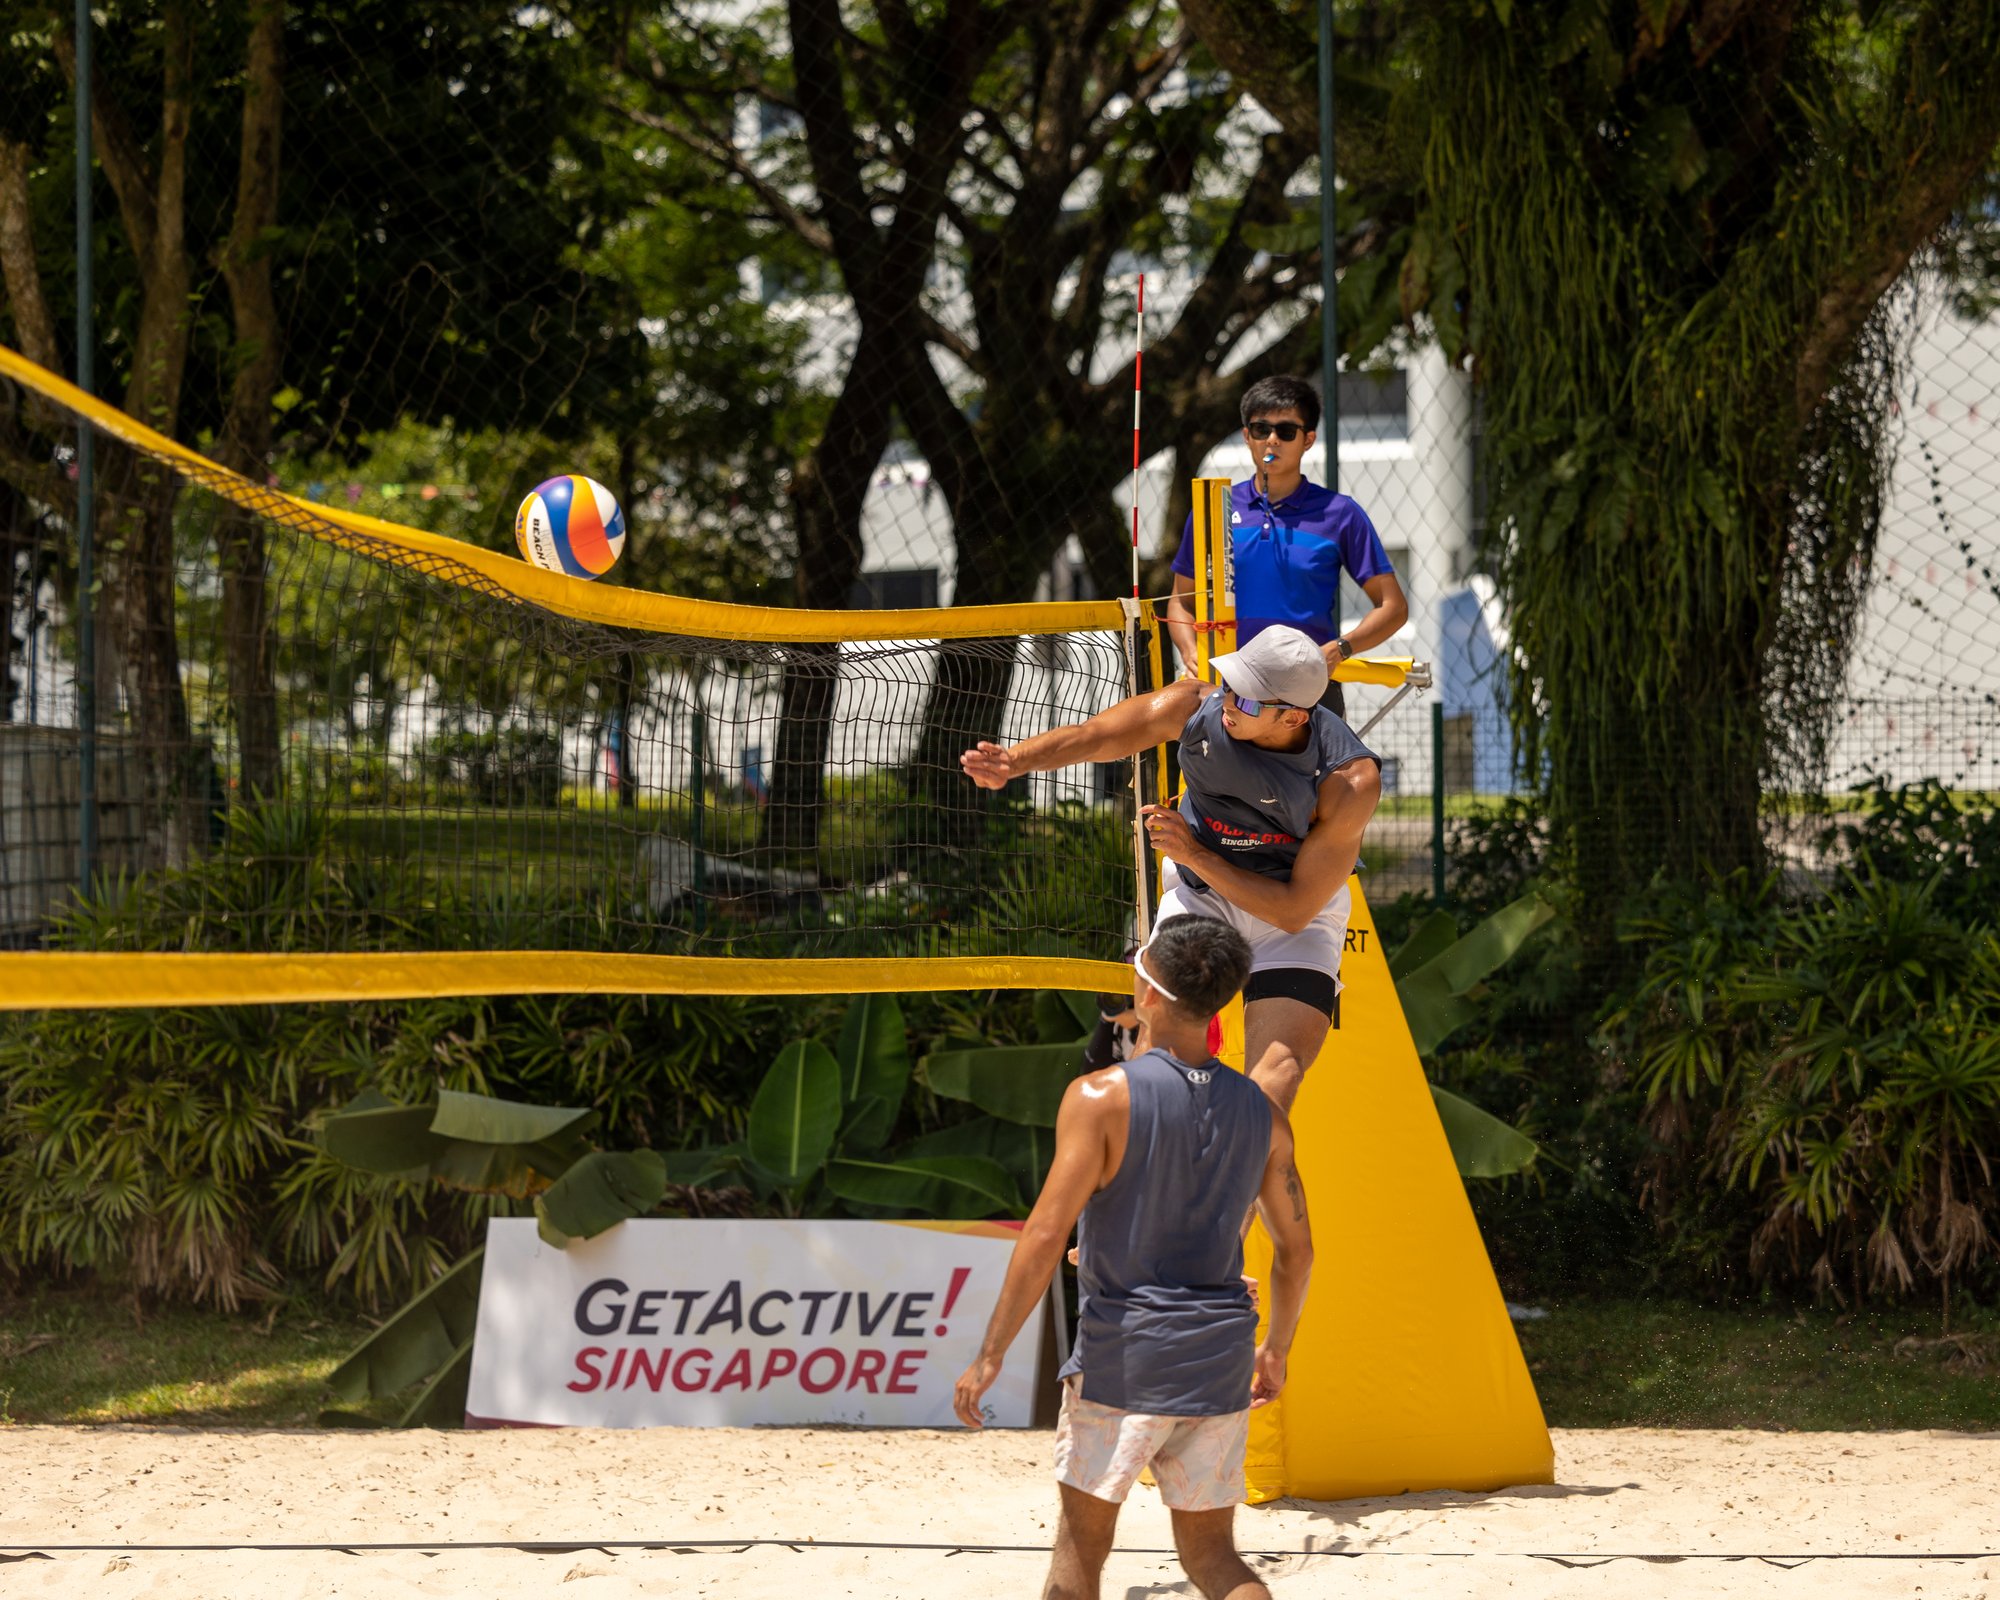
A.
x: 1197, y: 1461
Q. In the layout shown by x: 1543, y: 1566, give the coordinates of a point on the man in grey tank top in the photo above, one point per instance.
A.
x: 1160, y: 1158
x: 1278, y: 791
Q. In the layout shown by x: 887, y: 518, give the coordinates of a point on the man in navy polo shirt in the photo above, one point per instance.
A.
x: 1292, y: 539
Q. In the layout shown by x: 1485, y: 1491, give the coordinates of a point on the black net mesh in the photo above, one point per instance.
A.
x: 340, y: 742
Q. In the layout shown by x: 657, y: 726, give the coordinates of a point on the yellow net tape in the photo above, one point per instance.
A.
x: 37, y: 981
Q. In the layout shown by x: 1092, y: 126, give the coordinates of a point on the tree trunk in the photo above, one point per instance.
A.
x: 884, y: 270
x: 245, y: 444
x: 17, y: 560
x: 828, y: 490
x: 135, y: 527
x: 140, y: 652
x: 999, y: 559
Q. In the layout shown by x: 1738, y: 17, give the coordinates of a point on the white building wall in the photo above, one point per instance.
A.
x: 1926, y: 676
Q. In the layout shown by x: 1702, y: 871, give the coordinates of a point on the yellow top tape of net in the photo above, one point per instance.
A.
x: 38, y: 980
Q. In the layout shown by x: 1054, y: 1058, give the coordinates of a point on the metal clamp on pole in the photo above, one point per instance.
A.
x: 1417, y: 675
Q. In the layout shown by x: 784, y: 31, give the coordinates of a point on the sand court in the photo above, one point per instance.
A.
x: 783, y: 1514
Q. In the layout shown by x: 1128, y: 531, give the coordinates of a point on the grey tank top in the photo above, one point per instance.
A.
x: 1164, y: 1322
x: 1253, y: 806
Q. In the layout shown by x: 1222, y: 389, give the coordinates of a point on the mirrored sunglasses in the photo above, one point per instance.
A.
x: 1286, y: 431
x: 1255, y: 708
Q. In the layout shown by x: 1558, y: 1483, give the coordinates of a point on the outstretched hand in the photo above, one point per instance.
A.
x: 989, y: 765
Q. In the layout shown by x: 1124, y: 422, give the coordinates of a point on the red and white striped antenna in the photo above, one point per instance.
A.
x: 1138, y: 389
x: 1142, y: 918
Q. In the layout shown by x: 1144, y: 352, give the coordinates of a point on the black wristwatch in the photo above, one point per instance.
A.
x: 1346, y: 649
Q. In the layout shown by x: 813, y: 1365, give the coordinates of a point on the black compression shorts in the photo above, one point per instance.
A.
x: 1305, y: 984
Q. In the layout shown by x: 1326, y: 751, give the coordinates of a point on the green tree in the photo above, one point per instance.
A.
x: 1667, y: 237
x: 189, y: 109
x: 983, y: 181
x: 825, y: 211
x: 148, y: 88
x: 381, y: 241
x: 1125, y: 108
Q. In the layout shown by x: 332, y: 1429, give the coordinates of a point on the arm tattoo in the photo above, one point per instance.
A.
x: 1297, y: 1193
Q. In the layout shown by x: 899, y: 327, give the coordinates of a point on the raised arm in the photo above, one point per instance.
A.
x: 1281, y: 1202
x: 1132, y: 725
x: 1347, y: 799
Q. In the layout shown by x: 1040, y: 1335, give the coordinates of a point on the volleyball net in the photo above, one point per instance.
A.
x: 335, y: 757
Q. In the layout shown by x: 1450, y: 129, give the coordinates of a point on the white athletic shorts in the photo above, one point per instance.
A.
x: 1316, y: 946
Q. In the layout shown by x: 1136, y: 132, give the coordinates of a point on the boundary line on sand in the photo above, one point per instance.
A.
x: 1568, y: 1558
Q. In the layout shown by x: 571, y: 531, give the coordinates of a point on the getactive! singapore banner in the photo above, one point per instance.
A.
x: 687, y: 1323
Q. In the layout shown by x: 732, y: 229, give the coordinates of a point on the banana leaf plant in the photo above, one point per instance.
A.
x: 819, y: 1125
x: 1440, y: 979
x: 480, y: 1145
x: 815, y: 1142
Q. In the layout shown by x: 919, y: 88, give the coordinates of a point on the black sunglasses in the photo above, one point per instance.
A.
x: 1286, y: 431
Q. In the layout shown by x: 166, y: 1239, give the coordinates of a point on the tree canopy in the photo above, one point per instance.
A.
x: 1666, y: 237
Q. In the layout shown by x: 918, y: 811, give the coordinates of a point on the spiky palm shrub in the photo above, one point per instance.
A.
x: 170, y: 1150
x: 1823, y: 1082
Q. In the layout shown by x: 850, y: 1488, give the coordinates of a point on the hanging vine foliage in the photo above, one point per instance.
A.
x: 1665, y: 234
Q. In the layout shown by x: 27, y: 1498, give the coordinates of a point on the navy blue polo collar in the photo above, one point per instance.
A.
x: 1258, y: 497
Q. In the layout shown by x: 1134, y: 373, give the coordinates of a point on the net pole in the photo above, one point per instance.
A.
x: 1329, y: 258
x: 86, y: 480
x: 698, y: 809
x: 1141, y: 910
x: 1214, y: 575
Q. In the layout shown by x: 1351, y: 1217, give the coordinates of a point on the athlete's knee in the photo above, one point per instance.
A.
x: 1087, y: 1526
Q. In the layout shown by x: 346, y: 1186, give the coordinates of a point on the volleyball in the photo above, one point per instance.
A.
x: 571, y: 524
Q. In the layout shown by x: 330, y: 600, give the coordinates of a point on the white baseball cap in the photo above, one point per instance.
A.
x: 1281, y: 665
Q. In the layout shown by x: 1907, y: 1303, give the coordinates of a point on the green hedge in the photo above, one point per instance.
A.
x: 172, y: 1150
x: 1791, y: 1086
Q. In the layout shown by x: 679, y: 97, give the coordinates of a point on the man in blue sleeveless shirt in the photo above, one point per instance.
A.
x: 1278, y: 791
x: 1161, y: 1157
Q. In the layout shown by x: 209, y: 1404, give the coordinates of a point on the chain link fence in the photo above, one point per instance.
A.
x: 850, y: 339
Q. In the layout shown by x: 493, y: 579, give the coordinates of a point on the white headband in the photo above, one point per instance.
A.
x: 1139, y: 961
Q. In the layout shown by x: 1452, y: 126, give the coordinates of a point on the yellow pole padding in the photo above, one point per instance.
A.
x: 1388, y: 671
x: 1214, y: 575
x: 1406, y: 1375
x: 37, y: 980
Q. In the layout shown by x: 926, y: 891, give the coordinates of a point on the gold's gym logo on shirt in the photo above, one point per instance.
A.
x: 1246, y: 838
